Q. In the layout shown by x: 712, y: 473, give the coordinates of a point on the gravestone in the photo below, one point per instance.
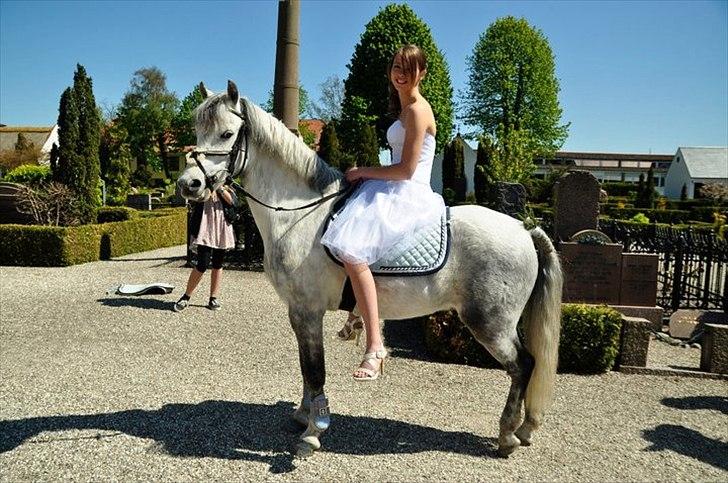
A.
x: 593, y: 273
x: 140, y: 202
x: 510, y: 198
x: 577, y: 204
x: 639, y: 279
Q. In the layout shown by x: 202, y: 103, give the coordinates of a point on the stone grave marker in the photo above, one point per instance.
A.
x: 639, y: 279
x: 577, y: 204
x: 511, y: 198
x: 593, y: 272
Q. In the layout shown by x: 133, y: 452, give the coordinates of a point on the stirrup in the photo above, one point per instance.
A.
x: 371, y: 374
x: 352, y: 330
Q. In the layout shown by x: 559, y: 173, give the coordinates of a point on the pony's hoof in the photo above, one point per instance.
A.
x: 305, y: 449
x: 524, y: 435
x: 507, y: 445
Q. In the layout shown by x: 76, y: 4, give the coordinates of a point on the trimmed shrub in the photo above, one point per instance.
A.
x: 673, y: 217
x: 29, y: 174
x: 589, y: 338
x: 620, y: 189
x: 108, y: 214
x: 61, y: 246
x: 589, y: 343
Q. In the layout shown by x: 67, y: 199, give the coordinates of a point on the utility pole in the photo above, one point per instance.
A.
x: 285, y: 88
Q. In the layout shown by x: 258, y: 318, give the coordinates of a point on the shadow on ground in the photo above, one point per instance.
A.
x: 406, y: 339
x: 690, y: 442
x: 141, y: 303
x: 243, y: 431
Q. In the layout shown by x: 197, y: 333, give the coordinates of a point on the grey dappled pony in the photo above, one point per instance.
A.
x: 497, y: 271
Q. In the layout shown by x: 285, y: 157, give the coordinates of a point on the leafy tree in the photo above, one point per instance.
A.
x: 453, y: 168
x: 308, y: 136
x: 367, y: 83
x: 512, y: 86
x: 716, y: 192
x: 329, y: 148
x: 22, y: 144
x: 146, y: 113
x: 512, y: 156
x: 332, y: 95
x: 304, y: 104
x: 183, y: 122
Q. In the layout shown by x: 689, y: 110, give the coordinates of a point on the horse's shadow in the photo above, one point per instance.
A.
x: 246, y: 431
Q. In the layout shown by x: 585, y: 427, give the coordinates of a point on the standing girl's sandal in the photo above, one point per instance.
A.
x: 352, y: 330
x: 371, y: 374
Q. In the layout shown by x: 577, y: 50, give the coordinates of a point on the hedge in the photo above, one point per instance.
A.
x: 672, y: 217
x: 589, y: 341
x: 29, y: 174
x: 50, y: 246
x: 619, y: 189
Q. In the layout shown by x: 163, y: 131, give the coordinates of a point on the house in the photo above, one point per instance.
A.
x: 43, y: 137
x: 693, y: 167
x: 621, y: 167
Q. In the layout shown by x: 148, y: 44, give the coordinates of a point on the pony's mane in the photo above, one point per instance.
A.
x: 274, y: 137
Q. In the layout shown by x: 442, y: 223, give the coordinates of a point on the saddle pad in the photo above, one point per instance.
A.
x: 146, y: 289
x: 425, y: 253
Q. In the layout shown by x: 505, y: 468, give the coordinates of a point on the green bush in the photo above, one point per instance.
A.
x: 589, y: 343
x: 670, y: 217
x: 619, y: 189
x: 589, y: 338
x: 107, y: 214
x: 706, y: 214
x: 29, y: 174
x: 640, y: 218
x: 61, y: 246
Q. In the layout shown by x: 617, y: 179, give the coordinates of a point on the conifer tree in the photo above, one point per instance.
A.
x: 329, y: 148
x: 483, y: 177
x: 453, y: 168
x: 68, y: 139
x: 89, y: 140
x: 22, y: 144
x: 367, y: 148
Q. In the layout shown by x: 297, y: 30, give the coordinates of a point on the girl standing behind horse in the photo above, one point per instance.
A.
x: 392, y: 202
x: 211, y: 235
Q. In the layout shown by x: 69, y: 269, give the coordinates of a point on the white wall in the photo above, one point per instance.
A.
x: 677, y: 175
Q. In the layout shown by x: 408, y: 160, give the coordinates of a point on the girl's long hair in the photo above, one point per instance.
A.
x: 413, y: 59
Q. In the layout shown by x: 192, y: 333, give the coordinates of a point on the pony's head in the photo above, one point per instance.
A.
x: 221, y: 140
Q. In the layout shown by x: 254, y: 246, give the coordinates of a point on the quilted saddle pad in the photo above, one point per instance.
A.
x: 425, y: 253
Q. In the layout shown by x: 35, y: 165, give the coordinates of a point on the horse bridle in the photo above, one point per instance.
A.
x: 234, y: 153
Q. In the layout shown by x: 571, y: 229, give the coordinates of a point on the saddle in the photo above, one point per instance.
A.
x: 424, y: 254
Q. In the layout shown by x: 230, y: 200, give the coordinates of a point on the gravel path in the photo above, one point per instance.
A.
x: 113, y: 388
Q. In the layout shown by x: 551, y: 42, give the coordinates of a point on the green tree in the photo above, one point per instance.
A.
x: 69, y: 165
x: 88, y: 143
x: 115, y: 157
x: 483, y: 181
x: 146, y: 113
x: 329, y: 148
x: 453, y: 168
x: 183, y: 122
x: 513, y: 155
x: 646, y: 190
x: 366, y: 150
x: 367, y: 83
x: 512, y: 86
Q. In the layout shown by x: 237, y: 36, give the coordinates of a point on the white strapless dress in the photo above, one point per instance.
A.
x: 380, y: 213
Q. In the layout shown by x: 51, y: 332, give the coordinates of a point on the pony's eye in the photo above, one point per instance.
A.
x: 227, y: 135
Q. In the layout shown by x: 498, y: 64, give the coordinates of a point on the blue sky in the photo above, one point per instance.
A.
x: 636, y: 77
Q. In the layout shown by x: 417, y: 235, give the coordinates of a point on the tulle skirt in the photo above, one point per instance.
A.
x: 379, y: 214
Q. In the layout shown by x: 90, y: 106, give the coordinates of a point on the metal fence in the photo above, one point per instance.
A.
x: 693, y: 268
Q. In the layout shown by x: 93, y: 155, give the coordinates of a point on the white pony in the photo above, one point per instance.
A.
x: 497, y: 271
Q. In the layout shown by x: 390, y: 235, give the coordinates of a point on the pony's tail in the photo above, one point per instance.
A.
x: 542, y: 324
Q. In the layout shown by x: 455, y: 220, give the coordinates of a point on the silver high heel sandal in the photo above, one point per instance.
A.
x: 371, y: 374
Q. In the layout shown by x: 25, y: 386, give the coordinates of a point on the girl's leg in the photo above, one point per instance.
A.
x: 365, y: 292
x: 203, y: 259
x: 218, y: 256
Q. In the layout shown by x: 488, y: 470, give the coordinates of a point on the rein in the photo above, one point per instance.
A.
x: 234, y: 153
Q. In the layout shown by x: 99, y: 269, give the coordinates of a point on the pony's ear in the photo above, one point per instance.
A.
x: 203, y: 90
x: 232, y: 92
